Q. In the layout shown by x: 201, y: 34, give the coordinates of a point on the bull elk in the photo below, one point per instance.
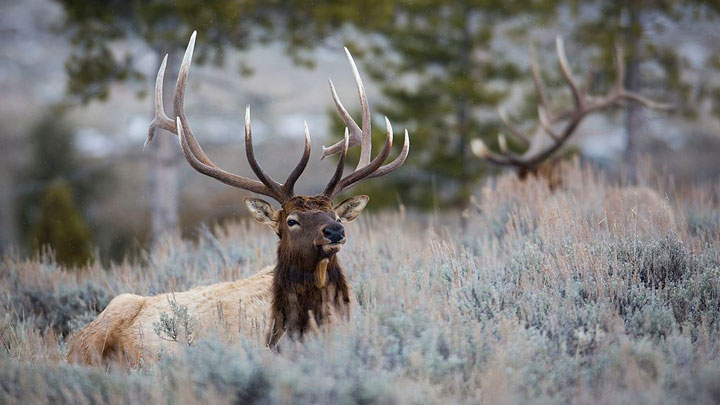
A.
x: 306, y: 287
x: 547, y: 140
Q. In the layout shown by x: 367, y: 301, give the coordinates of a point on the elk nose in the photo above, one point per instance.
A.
x: 334, y: 233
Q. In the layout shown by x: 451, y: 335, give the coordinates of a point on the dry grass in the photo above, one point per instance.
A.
x: 591, y: 293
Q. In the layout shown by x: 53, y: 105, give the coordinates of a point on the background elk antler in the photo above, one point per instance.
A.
x: 584, y: 104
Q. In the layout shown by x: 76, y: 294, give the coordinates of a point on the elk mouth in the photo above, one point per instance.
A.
x: 330, y: 248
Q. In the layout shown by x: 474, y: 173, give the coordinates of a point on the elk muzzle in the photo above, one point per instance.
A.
x: 331, y: 239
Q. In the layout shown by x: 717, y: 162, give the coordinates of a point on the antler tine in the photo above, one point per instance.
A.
x: 479, y: 149
x: 254, y: 165
x: 506, y: 121
x: 335, y: 180
x: 289, y: 184
x: 160, y: 119
x: 654, y: 105
x: 179, y: 97
x: 546, y: 124
x: 502, y: 143
x: 355, y: 131
x: 356, y: 134
x: 359, y: 135
x: 366, y: 141
x: 208, y: 168
x: 623, y: 93
x: 367, y: 170
x: 179, y: 100
x: 366, y: 167
x: 399, y: 160
x: 505, y: 157
x: 218, y: 173
x: 587, y: 84
x: 537, y: 79
x: 567, y: 73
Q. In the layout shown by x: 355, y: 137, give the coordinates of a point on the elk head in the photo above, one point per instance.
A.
x: 547, y: 140
x: 310, y: 229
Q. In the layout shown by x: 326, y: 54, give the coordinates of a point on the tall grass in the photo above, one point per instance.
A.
x: 588, y: 293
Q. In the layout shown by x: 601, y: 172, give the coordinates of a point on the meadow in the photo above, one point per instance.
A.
x: 598, y: 291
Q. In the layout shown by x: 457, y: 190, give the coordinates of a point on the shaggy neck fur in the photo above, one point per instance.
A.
x: 308, y: 287
x: 307, y: 293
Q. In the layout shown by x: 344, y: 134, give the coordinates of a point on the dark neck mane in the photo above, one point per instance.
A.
x: 296, y: 295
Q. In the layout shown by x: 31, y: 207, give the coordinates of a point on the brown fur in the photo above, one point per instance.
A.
x: 549, y: 170
x: 296, y: 297
x: 306, y: 288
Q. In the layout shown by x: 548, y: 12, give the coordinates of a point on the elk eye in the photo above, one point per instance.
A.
x: 292, y: 222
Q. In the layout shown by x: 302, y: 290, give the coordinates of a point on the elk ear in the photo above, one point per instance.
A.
x: 351, y: 208
x: 263, y: 212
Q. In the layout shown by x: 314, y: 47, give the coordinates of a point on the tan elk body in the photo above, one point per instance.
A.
x: 126, y: 328
x: 305, y: 288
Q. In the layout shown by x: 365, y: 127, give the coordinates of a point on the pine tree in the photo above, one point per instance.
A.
x: 61, y: 227
x: 52, y: 158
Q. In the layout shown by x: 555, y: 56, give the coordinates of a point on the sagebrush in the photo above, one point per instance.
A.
x: 570, y: 295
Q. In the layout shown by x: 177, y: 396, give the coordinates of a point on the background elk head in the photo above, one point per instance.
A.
x: 547, y: 140
x: 309, y: 227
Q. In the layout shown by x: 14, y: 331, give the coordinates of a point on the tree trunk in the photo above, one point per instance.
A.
x: 633, y: 111
x: 7, y: 208
x: 465, y: 186
x: 462, y: 111
x: 165, y: 191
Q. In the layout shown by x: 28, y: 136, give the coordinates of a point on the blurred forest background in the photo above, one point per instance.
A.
x: 76, y: 79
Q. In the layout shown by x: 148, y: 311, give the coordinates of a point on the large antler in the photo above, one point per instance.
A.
x: 356, y: 135
x: 195, y: 155
x: 583, y: 104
